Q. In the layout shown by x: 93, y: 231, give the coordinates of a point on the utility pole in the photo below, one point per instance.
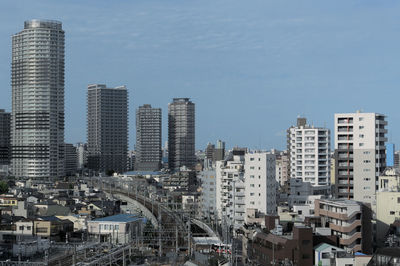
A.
x: 123, y: 258
x: 159, y: 231
x: 189, y: 247
x: 136, y: 191
x: 176, y: 240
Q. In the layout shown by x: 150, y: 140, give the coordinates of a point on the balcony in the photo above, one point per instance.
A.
x: 356, y: 248
x: 342, y: 121
x: 336, y: 215
x: 345, y: 129
x: 345, y: 156
x: 239, y: 202
x: 345, y: 229
x: 345, y: 137
x: 346, y: 165
x: 381, y: 130
x: 350, y: 240
x: 240, y: 210
x: 344, y: 182
x: 345, y: 173
x: 381, y: 122
x: 238, y: 218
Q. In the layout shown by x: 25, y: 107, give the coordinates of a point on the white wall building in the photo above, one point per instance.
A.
x: 282, y: 168
x: 304, y: 193
x: 120, y: 228
x: 309, y: 149
x: 260, y: 182
x: 230, y: 187
x: 360, y: 151
x: 208, y: 194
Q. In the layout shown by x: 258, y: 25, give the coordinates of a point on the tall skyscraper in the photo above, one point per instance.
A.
x: 360, y: 154
x: 181, y: 134
x: 219, y: 152
x: 107, y: 128
x: 309, y: 149
x: 81, y: 153
x: 209, y: 151
x: 148, y: 138
x: 71, y: 160
x: 37, y: 81
x: 5, y: 144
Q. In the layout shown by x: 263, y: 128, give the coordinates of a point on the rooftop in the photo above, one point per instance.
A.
x: 43, y: 23
x: 144, y: 173
x: 123, y: 218
x: 324, y: 246
x: 340, y: 202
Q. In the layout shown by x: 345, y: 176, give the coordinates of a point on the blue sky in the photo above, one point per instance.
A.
x: 251, y: 67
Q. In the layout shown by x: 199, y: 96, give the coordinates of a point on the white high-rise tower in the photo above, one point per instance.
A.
x: 38, y: 100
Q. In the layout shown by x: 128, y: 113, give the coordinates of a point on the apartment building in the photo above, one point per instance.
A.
x: 282, y: 166
x: 5, y: 140
x: 230, y: 202
x: 302, y: 195
x: 349, y: 220
x: 274, y: 248
x: 387, y: 202
x: 309, y: 149
x: 208, y: 194
x: 81, y: 153
x: 107, y: 128
x: 260, y: 182
x: 360, y: 155
x: 37, y: 80
x: 71, y: 159
x: 148, y: 138
x: 181, y: 133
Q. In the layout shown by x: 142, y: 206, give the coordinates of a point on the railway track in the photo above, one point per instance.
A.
x: 173, y: 234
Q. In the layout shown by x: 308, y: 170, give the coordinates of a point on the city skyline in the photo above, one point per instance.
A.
x: 294, y: 63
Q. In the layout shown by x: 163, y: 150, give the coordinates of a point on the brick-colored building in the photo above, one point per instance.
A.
x: 269, y: 248
x: 349, y: 220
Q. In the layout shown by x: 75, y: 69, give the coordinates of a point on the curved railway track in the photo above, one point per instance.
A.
x: 172, y: 234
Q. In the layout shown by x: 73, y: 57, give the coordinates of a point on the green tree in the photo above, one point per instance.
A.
x: 3, y: 187
x: 110, y: 172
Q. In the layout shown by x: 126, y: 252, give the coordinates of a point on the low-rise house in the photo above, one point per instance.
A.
x: 50, y: 208
x: 120, y: 228
x: 52, y: 227
x: 24, y: 227
x: 79, y: 221
x: 7, y: 201
x: 323, y: 253
x: 64, y: 201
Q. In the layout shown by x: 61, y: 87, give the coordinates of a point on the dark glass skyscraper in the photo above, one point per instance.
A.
x: 181, y: 133
x: 5, y: 145
x: 107, y: 128
x: 148, y: 138
x: 37, y: 81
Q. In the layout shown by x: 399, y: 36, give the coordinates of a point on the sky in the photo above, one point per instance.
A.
x: 251, y: 67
